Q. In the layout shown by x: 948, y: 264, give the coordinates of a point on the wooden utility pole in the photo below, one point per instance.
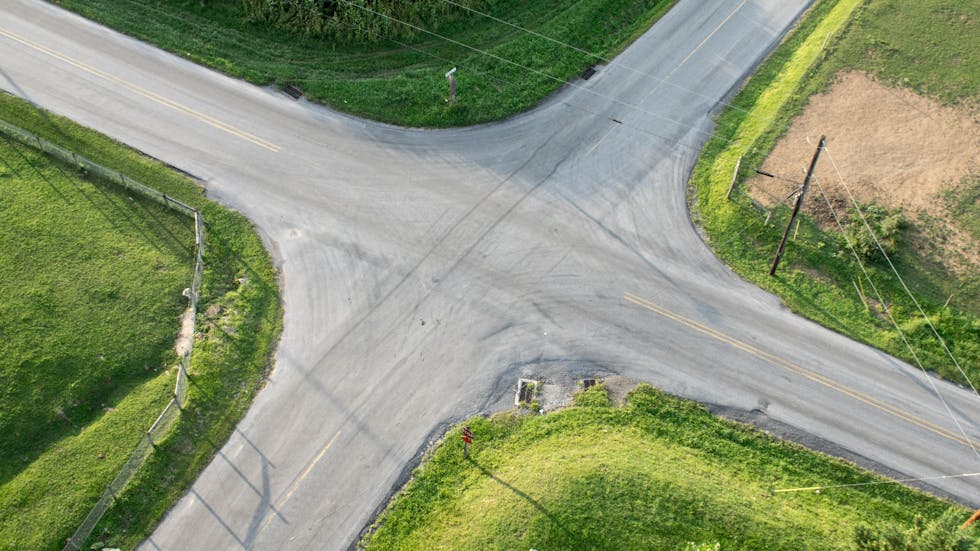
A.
x: 796, y: 207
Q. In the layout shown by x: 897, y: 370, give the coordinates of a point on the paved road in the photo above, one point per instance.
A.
x: 425, y: 270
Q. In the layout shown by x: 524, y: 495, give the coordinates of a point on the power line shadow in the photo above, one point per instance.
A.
x: 571, y: 534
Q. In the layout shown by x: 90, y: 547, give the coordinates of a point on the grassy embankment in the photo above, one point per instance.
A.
x: 657, y: 473
x: 402, y: 83
x: 922, y: 44
x: 92, y: 281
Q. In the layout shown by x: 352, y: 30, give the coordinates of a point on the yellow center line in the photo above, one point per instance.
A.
x: 713, y: 33
x: 299, y: 479
x: 207, y: 119
x: 806, y: 373
x: 695, y: 50
x: 295, y: 485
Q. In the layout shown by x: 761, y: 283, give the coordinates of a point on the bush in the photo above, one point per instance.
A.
x: 594, y: 397
x: 887, y: 226
x: 943, y: 534
x: 357, y: 20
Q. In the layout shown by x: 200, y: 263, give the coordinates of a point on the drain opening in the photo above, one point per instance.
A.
x: 292, y: 91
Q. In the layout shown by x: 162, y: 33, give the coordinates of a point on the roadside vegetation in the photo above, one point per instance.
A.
x: 657, y: 473
x: 92, y: 279
x: 929, y: 46
x: 367, y: 65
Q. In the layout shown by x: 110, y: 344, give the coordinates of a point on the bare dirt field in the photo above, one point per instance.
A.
x: 885, y: 145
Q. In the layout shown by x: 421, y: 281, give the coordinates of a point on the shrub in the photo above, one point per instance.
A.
x: 887, y: 226
x: 594, y: 397
x: 357, y: 20
x: 943, y: 534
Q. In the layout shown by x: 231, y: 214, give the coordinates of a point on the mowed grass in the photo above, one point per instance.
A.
x: 818, y: 276
x: 397, y: 81
x: 91, y: 283
x: 658, y: 473
x: 930, y: 46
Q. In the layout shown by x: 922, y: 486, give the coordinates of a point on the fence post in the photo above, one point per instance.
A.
x: 731, y: 186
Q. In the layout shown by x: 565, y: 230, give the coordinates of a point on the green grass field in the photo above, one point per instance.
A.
x: 818, y: 275
x: 92, y: 279
x: 91, y: 282
x: 658, y: 473
x: 400, y: 82
x: 930, y: 46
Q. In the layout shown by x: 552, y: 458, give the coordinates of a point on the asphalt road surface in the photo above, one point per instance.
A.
x: 424, y: 271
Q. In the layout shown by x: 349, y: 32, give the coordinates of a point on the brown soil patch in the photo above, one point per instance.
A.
x: 888, y: 145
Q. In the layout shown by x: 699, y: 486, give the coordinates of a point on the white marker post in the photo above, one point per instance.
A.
x: 452, y: 85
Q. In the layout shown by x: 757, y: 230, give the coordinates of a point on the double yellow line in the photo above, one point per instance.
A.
x: 806, y: 373
x: 207, y: 119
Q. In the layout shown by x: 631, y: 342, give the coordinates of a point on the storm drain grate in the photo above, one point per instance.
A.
x: 588, y: 72
x: 588, y: 383
x: 293, y: 91
x: 526, y: 391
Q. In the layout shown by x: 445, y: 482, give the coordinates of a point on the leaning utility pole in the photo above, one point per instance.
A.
x: 796, y: 207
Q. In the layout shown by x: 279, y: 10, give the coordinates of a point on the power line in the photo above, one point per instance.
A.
x: 596, y: 114
x: 891, y: 318
x: 447, y: 60
x: 567, y: 104
x: 538, y: 72
x: 856, y: 484
x: 881, y: 300
x: 796, y: 205
x: 644, y: 111
x: 614, y: 63
x: 901, y: 280
x: 640, y: 109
